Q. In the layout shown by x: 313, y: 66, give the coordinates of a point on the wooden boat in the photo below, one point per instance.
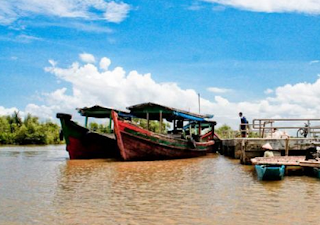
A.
x: 136, y: 143
x: 267, y: 172
x: 85, y: 144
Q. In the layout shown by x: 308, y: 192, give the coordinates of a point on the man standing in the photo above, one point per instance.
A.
x: 243, y: 125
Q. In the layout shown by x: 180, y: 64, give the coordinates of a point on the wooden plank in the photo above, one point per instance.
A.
x: 278, y: 160
x: 310, y: 163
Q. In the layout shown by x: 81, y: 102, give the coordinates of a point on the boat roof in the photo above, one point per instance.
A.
x: 99, y: 112
x: 168, y: 113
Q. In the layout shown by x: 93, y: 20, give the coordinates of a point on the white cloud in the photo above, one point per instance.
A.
x: 221, y: 101
x: 7, y: 111
x: 27, y: 38
x: 88, y: 9
x: 88, y: 58
x: 270, y: 6
x: 314, y: 62
x: 195, y: 7
x: 52, y: 62
x: 268, y: 91
x: 116, y: 12
x: 105, y: 63
x: 218, y: 90
x: 91, y: 85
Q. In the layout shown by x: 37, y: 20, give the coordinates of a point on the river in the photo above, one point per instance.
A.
x: 40, y: 185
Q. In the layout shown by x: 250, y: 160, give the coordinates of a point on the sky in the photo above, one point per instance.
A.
x: 258, y: 57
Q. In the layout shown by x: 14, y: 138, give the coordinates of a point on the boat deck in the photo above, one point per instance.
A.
x: 247, y: 148
x: 278, y: 160
x: 310, y: 163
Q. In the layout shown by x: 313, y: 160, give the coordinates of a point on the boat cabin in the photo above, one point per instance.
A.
x: 101, y: 113
x: 197, y: 123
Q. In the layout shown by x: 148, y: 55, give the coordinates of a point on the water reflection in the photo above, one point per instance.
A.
x: 42, y: 186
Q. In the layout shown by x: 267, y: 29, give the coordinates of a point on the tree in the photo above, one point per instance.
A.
x: 29, y: 131
x: 154, y: 125
x: 225, y: 131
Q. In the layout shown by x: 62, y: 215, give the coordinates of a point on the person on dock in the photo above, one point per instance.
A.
x: 243, y: 125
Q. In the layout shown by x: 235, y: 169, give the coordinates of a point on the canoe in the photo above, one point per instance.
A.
x: 136, y: 143
x: 85, y: 144
x: 266, y: 172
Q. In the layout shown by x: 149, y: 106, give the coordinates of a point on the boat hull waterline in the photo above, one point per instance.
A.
x: 85, y: 144
x: 136, y: 143
x: 266, y: 172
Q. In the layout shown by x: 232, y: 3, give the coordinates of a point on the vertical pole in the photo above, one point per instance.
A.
x: 212, y: 131
x: 199, y: 129
x: 260, y: 129
x: 160, y: 121
x: 110, y: 122
x: 199, y: 101
x: 86, y: 122
x: 287, y: 147
x: 147, y: 120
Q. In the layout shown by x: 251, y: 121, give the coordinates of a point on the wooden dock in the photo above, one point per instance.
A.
x: 278, y: 160
x: 314, y: 163
x: 247, y: 148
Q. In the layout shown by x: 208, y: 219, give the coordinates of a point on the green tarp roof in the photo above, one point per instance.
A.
x: 98, y: 111
x: 168, y: 113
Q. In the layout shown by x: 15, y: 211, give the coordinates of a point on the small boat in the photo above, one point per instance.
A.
x: 316, y: 172
x: 83, y: 143
x: 267, y: 172
x: 136, y: 143
x: 311, y: 167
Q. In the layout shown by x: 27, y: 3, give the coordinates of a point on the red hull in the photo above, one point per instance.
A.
x: 136, y: 143
x: 84, y: 144
x: 84, y: 149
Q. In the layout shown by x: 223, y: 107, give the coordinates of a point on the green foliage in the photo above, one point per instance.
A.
x: 99, y: 128
x: 154, y: 126
x: 225, y: 131
x: 253, y: 134
x: 14, y: 130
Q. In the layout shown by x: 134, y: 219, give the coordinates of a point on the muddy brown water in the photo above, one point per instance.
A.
x: 40, y: 185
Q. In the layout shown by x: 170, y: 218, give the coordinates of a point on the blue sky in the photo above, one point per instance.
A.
x: 258, y: 58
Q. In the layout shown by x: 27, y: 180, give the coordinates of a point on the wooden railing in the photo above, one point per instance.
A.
x: 264, y: 126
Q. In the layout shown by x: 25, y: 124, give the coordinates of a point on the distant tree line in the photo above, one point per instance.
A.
x: 226, y: 132
x: 15, y: 130
x: 100, y: 128
x: 153, y: 126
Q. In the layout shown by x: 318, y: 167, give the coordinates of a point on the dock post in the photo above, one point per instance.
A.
x: 287, y: 147
x: 243, y: 152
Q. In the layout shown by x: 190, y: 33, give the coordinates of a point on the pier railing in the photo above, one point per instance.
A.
x: 311, y: 127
